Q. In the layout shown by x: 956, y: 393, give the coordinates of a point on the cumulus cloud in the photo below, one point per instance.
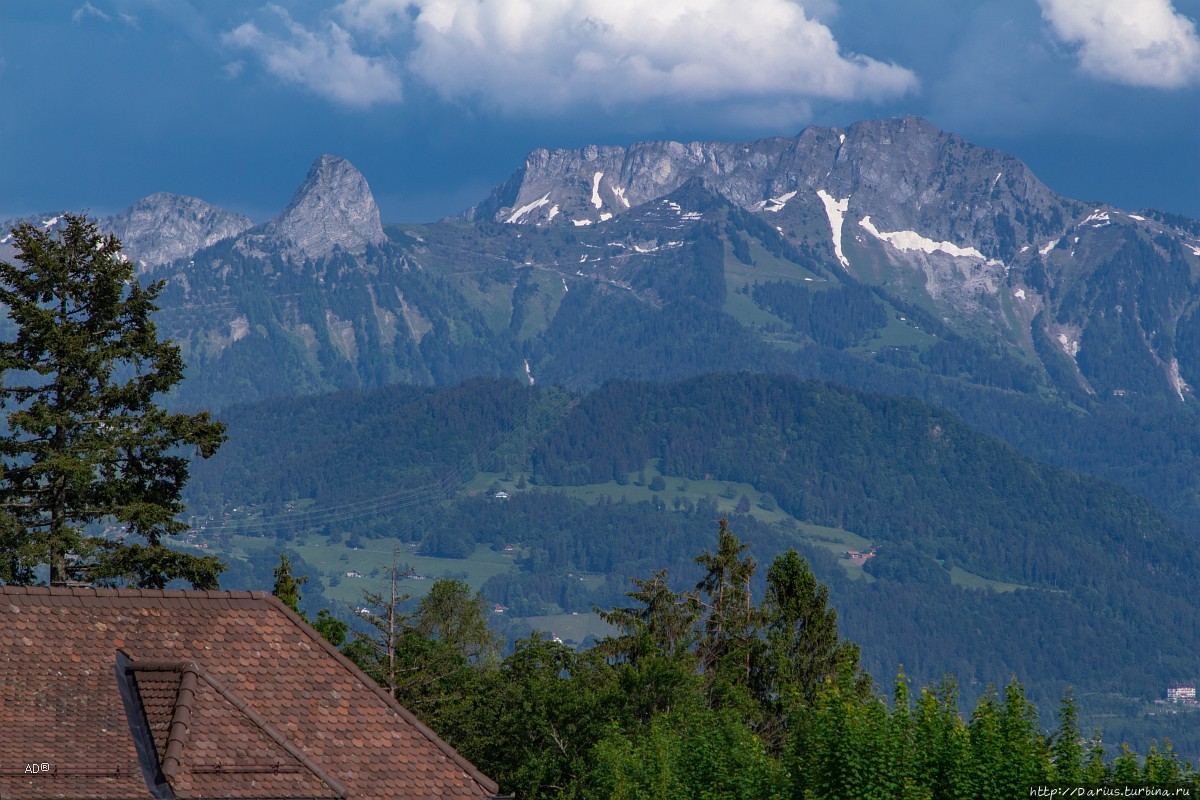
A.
x: 545, y: 56
x: 325, y: 62
x: 533, y: 55
x: 377, y: 18
x: 1133, y: 42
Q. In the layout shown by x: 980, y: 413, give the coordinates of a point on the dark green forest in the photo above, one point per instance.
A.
x: 1102, y: 602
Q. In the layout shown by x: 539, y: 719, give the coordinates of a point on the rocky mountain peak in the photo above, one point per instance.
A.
x: 334, y: 206
x: 163, y: 228
x: 903, y: 174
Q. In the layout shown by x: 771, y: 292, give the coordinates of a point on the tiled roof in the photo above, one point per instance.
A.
x: 227, y: 694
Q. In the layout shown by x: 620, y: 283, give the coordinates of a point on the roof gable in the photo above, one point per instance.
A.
x: 237, y: 696
x: 202, y: 733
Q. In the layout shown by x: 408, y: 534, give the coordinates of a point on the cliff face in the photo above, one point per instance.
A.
x: 904, y: 174
x: 965, y: 232
x: 162, y: 228
x: 155, y: 231
x: 334, y: 207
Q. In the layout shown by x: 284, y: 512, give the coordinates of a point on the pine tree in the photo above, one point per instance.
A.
x: 84, y: 440
x: 804, y: 647
x: 729, y: 644
x: 287, y: 586
x: 652, y: 656
x: 1067, y: 749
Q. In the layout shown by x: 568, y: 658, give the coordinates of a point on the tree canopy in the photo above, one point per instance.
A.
x: 85, y: 442
x: 708, y: 694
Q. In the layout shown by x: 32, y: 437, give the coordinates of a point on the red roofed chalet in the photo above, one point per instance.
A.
x: 118, y: 694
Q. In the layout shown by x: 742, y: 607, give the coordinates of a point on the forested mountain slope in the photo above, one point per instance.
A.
x: 1100, y: 576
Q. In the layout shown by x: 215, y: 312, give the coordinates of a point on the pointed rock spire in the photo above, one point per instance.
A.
x: 334, y: 206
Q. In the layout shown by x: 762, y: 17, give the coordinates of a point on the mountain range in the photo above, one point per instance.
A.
x: 890, y: 256
x: 1091, y: 300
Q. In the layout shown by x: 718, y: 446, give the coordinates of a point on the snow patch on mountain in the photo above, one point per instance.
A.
x: 835, y: 210
x: 525, y: 209
x: 776, y: 204
x: 619, y: 191
x: 1050, y: 245
x: 911, y: 240
x: 596, y: 201
x: 1177, y: 380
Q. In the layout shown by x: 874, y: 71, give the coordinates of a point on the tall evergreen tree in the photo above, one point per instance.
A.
x: 729, y: 645
x: 1066, y: 751
x: 85, y: 441
x: 652, y: 656
x: 287, y: 585
x: 804, y: 647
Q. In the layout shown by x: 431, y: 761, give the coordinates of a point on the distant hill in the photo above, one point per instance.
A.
x: 1091, y: 578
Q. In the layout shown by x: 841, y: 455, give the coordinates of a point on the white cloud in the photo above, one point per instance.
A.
x: 1132, y: 42
x: 88, y: 10
x: 543, y: 55
x: 377, y: 18
x: 325, y: 62
x: 766, y: 57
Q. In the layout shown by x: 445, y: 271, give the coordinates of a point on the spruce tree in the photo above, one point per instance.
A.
x: 287, y: 585
x: 84, y: 440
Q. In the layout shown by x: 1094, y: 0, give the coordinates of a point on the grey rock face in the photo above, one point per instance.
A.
x: 334, y: 206
x: 163, y: 228
x: 904, y: 173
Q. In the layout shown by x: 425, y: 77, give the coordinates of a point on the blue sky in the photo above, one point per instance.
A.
x: 437, y: 101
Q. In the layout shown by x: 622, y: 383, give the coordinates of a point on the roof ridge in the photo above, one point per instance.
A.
x: 458, y: 758
x: 176, y: 739
x: 100, y: 592
x: 181, y: 713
